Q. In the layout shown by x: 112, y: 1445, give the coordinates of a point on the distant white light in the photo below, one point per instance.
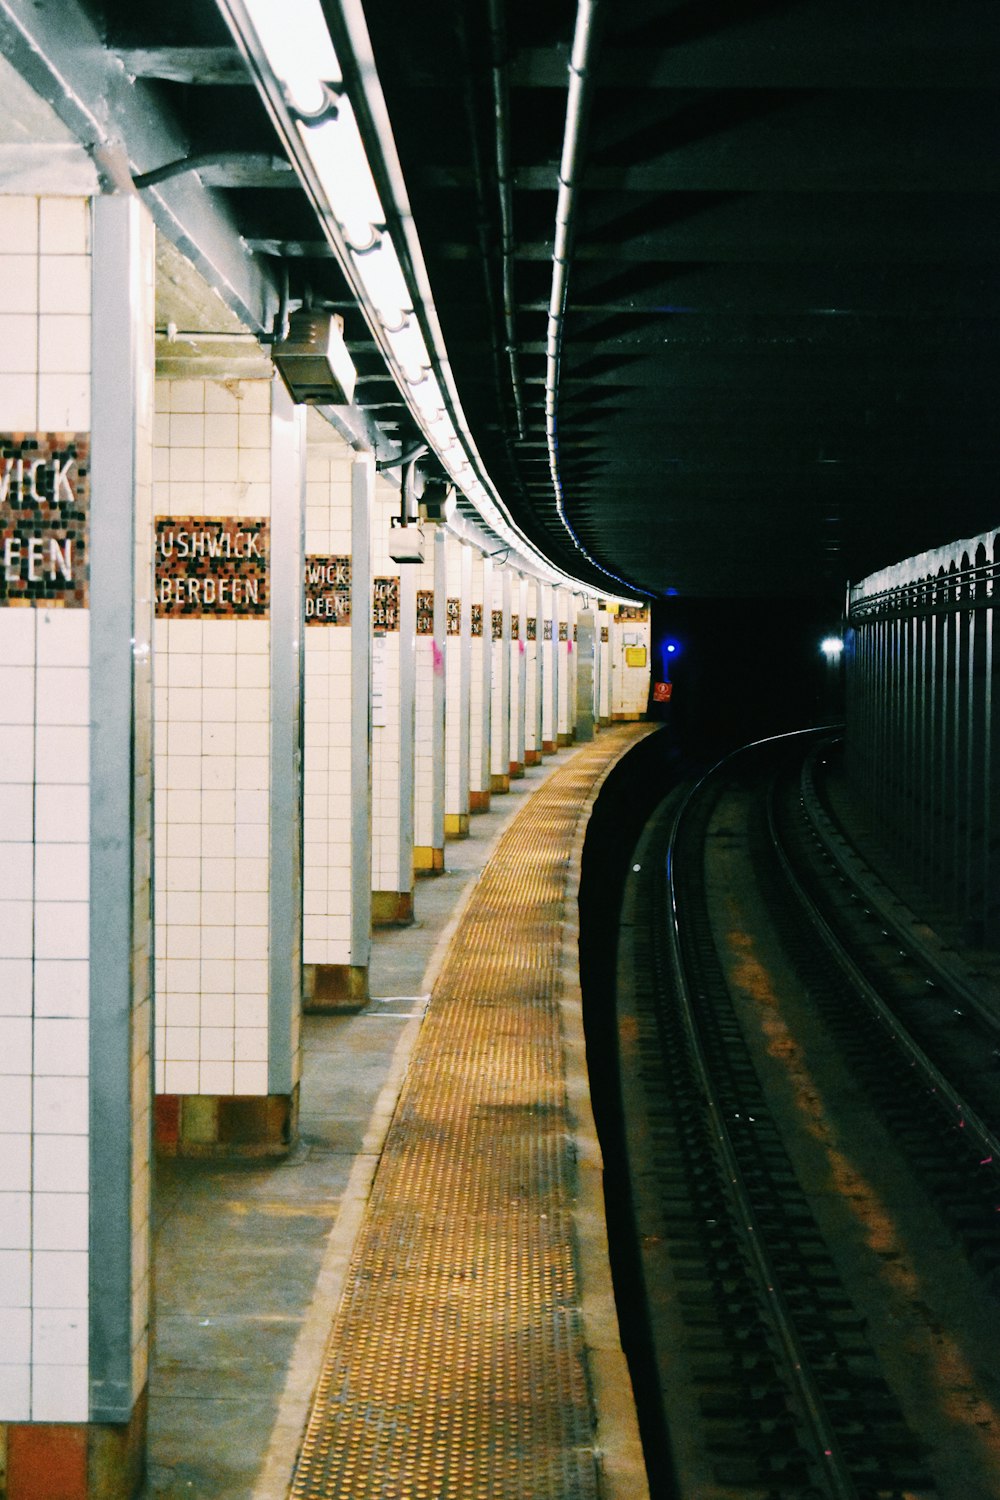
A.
x: 831, y: 647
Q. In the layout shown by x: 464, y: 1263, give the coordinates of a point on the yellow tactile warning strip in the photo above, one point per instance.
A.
x: 456, y: 1368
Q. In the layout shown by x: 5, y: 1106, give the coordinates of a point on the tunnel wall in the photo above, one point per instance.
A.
x: 922, y: 714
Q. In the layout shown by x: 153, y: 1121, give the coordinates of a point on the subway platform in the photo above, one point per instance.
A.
x: 416, y: 1303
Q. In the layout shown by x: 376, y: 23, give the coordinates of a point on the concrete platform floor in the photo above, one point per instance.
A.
x: 250, y: 1257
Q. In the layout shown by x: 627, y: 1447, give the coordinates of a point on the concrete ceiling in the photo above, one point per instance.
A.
x: 781, y: 359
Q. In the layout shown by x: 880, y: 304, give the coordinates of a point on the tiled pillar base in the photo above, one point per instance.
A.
x: 428, y: 859
x: 226, y: 1124
x: 479, y: 802
x: 392, y: 908
x: 604, y: 721
x: 334, y: 989
x: 532, y: 757
x: 549, y: 747
x: 456, y: 825
x: 73, y: 1461
x: 625, y: 719
x: 499, y: 783
x: 516, y: 770
x: 564, y: 740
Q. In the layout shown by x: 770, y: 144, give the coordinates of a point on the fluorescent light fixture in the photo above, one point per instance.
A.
x: 384, y: 281
x: 298, y: 48
x: 338, y: 156
x: 410, y: 353
x: 290, y: 52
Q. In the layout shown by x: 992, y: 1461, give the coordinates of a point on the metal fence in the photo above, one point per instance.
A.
x: 923, y: 716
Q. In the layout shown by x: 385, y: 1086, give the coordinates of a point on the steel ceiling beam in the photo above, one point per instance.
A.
x: 61, y: 55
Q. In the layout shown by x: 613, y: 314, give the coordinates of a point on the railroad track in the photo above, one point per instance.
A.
x: 769, y: 1384
x: 925, y: 1045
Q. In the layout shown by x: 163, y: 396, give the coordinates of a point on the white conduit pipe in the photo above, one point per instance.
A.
x: 576, y: 100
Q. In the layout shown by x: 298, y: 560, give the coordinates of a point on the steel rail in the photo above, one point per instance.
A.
x: 833, y: 1467
x: 942, y: 1091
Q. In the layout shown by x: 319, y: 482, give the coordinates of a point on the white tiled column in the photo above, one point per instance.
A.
x: 563, y: 632
x: 603, y: 649
x: 518, y: 672
x: 480, y: 683
x: 429, y: 743
x: 500, y: 711
x: 76, y: 319
x: 630, y: 670
x: 548, y: 630
x: 458, y: 682
x: 337, y: 797
x: 533, y: 676
x: 572, y: 607
x: 394, y: 627
x: 230, y: 481
x: 583, y: 654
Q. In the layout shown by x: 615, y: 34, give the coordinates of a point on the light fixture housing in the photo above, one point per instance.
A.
x: 406, y: 543
x: 313, y: 360
x: 437, y: 502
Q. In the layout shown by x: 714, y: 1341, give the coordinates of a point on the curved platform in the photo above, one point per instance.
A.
x: 464, y: 1360
x: 474, y: 1349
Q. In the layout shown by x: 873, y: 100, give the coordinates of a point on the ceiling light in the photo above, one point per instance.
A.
x: 338, y: 156
x: 379, y: 268
x: 313, y: 360
x: 300, y: 51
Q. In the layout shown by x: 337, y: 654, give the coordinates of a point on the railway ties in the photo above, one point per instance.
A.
x: 772, y: 1381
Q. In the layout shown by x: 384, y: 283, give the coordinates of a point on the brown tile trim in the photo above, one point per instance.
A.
x: 500, y: 784
x: 74, y: 1460
x: 251, y: 1125
x: 532, y: 757
x: 516, y: 770
x: 392, y: 908
x: 564, y: 740
x: 334, y: 989
x: 428, y: 860
x: 549, y: 747
x: 479, y: 802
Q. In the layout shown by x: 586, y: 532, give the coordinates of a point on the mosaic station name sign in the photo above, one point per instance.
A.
x: 328, y: 590
x: 212, y: 567
x: 44, y: 519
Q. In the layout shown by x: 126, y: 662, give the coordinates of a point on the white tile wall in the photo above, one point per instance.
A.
x: 561, y: 616
x: 44, y: 314
x: 327, y: 796
x: 456, y: 697
x: 500, y: 700
x: 602, y: 649
x: 516, y: 747
x: 549, y: 661
x: 629, y: 685
x: 425, y: 768
x: 533, y: 684
x: 388, y: 873
x: 212, y: 457
x: 44, y: 853
x: 479, y: 702
x: 570, y: 658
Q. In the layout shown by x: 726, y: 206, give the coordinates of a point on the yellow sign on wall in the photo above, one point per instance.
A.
x: 635, y: 656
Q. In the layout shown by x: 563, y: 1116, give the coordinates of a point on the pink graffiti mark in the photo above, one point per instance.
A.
x: 438, y: 659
